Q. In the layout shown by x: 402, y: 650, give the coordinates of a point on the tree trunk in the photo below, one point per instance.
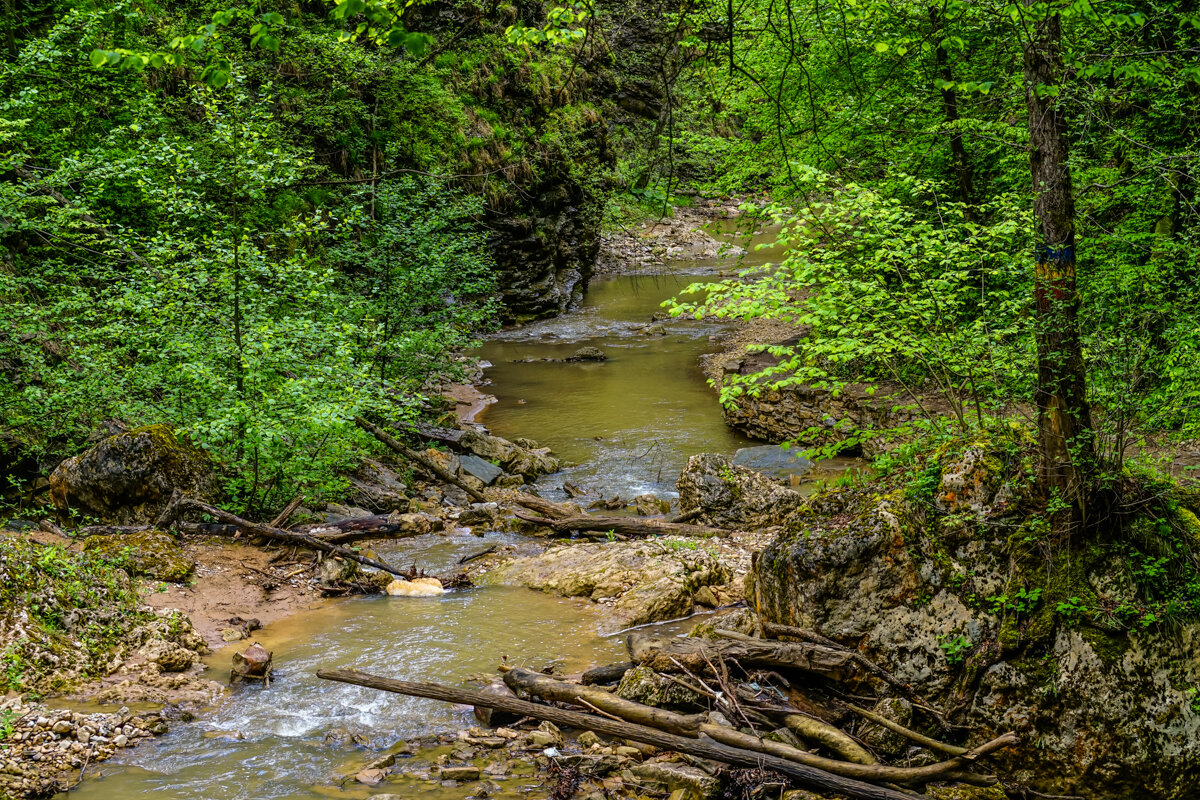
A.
x: 958, y: 151
x: 1065, y: 432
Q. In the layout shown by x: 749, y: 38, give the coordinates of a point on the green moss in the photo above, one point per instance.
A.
x: 147, y: 553
x: 1109, y: 646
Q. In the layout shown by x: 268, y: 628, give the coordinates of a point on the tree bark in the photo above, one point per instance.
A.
x: 958, y: 151
x: 1065, y: 432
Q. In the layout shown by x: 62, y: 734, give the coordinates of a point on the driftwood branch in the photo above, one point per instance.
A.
x: 282, y: 518
x: 903, y: 689
x: 291, y: 537
x: 568, y: 518
x: 378, y: 526
x: 697, y: 655
x: 691, y: 725
x: 911, y: 735
x: 702, y: 748
x: 171, y: 513
x: 412, y: 455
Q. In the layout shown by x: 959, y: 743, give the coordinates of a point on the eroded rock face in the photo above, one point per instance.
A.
x: 546, y: 250
x: 128, y: 478
x: 730, y: 496
x: 643, y: 581
x: 1102, y: 713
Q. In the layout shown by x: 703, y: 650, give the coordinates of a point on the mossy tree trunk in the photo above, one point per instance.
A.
x: 1065, y: 431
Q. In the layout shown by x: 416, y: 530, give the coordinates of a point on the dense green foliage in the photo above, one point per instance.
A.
x: 182, y: 249
x: 894, y: 142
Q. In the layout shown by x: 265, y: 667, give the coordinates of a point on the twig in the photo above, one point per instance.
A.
x: 895, y: 727
x: 288, y: 510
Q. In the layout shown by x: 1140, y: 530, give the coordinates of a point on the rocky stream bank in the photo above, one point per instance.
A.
x: 880, y: 629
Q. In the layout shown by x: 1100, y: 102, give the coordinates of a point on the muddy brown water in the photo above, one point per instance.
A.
x: 626, y: 425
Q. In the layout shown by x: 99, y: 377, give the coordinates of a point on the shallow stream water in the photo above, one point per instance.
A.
x: 626, y: 425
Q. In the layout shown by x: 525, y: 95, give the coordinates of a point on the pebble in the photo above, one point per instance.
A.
x: 44, y: 746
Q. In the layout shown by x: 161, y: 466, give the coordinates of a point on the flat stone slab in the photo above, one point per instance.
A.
x: 773, y: 460
x: 485, y: 471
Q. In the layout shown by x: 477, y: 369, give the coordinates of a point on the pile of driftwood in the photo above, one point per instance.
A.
x: 790, y: 707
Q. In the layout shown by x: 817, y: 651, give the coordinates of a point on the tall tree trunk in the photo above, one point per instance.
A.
x: 958, y: 151
x: 1065, y: 431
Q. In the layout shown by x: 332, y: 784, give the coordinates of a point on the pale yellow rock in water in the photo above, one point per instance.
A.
x: 418, y: 587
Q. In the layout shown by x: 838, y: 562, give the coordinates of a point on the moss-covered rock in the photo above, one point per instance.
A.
x: 643, y: 685
x: 730, y: 496
x: 150, y: 554
x: 127, y: 479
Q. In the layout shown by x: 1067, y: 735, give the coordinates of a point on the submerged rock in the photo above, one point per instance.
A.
x: 729, y: 496
x: 644, y: 581
x: 588, y: 354
x: 128, y: 478
x: 774, y: 461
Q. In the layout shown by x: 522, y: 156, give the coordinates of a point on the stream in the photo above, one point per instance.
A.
x: 623, y: 426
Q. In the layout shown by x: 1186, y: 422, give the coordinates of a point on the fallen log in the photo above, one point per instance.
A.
x: 413, y: 455
x: 627, y: 526
x: 547, y: 508
x: 606, y: 674
x: 377, y: 526
x: 291, y: 537
x: 807, y: 776
x: 598, y: 699
x: 698, y: 655
x: 831, y: 737
x: 553, y: 689
x: 563, y: 517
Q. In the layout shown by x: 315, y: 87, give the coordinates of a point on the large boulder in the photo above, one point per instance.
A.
x: 644, y: 581
x: 946, y: 584
x: 729, y: 496
x: 127, y: 479
x: 515, y: 458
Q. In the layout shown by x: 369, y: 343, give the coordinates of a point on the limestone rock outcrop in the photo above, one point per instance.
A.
x: 643, y: 581
x: 947, y: 585
x: 730, y: 496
